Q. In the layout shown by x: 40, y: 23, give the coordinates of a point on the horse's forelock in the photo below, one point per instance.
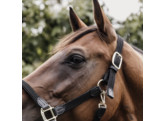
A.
x: 72, y: 37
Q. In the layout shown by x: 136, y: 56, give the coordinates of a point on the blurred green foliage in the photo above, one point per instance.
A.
x: 132, y: 29
x: 44, y: 22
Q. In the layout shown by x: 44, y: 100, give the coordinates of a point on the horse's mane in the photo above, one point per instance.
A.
x: 72, y: 37
x: 137, y: 49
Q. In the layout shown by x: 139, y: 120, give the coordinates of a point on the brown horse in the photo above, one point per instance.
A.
x: 78, y: 63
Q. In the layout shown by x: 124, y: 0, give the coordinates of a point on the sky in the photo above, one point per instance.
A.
x: 118, y: 9
x: 121, y: 9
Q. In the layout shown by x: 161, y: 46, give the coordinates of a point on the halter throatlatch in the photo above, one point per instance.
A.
x: 109, y: 79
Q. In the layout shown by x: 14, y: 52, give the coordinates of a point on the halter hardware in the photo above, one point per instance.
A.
x: 50, y: 110
x: 117, y: 55
x: 102, y: 104
x: 99, y: 82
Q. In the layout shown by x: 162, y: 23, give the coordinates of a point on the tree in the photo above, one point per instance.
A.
x: 132, y: 29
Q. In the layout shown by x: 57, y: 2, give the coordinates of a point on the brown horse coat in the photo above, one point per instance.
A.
x: 59, y: 79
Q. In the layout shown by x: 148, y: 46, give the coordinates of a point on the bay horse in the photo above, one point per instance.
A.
x: 78, y: 62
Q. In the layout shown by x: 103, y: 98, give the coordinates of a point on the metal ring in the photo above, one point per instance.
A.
x: 98, y: 83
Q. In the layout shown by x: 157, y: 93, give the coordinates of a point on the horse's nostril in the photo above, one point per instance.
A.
x: 56, y: 95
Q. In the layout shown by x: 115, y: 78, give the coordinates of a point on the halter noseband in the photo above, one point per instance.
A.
x: 108, y: 79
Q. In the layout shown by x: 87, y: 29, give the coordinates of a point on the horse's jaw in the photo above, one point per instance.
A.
x: 30, y: 111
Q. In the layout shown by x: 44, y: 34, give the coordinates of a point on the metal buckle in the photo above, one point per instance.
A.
x: 113, y: 59
x: 43, y: 111
x: 102, y: 104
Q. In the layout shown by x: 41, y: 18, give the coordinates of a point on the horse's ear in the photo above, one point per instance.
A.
x: 76, y: 22
x: 104, y: 26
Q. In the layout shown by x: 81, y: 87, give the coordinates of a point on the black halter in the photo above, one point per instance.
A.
x: 108, y: 79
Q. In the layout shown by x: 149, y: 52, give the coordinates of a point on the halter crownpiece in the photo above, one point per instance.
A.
x: 109, y: 79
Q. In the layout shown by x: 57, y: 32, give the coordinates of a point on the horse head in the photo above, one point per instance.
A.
x: 78, y: 62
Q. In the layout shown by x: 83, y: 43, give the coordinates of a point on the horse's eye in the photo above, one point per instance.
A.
x: 75, y: 60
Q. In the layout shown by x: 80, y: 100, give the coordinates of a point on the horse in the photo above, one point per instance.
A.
x: 77, y: 64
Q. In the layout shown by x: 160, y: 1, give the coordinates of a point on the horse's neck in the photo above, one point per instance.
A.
x: 132, y: 68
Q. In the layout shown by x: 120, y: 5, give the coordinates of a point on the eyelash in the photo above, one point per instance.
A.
x: 75, y: 60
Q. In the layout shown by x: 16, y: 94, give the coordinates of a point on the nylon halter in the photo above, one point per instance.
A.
x: 108, y: 79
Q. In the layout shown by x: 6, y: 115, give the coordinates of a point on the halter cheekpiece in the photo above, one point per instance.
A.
x: 108, y: 79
